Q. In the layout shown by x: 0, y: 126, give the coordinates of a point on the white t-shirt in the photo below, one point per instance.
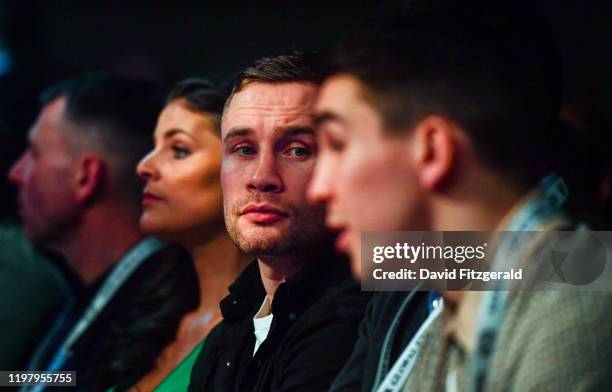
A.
x: 261, y: 323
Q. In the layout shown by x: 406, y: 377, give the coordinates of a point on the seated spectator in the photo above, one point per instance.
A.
x: 183, y: 204
x: 31, y: 285
x: 79, y: 197
x: 290, y: 320
x: 446, y: 111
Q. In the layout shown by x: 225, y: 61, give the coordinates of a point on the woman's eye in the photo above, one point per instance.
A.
x: 180, y: 152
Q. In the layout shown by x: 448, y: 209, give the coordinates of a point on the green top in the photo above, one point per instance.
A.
x: 178, y: 380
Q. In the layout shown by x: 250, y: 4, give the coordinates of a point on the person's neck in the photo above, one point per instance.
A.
x: 275, y: 270
x: 99, y: 241
x: 481, y: 203
x: 478, y: 204
x: 217, y: 262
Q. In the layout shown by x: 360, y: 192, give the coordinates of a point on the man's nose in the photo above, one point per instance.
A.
x: 319, y: 189
x: 16, y: 172
x: 266, y: 176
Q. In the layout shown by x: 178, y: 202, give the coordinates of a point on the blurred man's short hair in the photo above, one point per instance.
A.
x: 491, y: 68
x: 115, y: 116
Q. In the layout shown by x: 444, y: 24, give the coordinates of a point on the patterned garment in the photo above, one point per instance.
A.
x: 550, y: 341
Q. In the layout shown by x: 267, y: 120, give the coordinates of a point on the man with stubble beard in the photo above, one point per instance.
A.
x: 290, y: 320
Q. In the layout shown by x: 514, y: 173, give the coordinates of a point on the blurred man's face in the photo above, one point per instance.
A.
x: 268, y: 158
x: 44, y: 175
x: 365, y: 178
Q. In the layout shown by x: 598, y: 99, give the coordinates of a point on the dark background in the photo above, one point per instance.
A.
x: 46, y: 41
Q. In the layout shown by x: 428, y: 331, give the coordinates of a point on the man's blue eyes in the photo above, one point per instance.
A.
x: 298, y: 152
x: 246, y: 150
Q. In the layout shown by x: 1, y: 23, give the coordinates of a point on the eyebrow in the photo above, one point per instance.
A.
x: 294, y: 131
x: 326, y: 117
x: 283, y: 132
x: 168, y: 134
x: 236, y: 133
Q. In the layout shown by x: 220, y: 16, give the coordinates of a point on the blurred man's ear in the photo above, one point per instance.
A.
x: 435, y: 150
x: 90, y: 178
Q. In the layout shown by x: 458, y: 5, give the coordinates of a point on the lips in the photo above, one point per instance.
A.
x: 263, y: 214
x: 149, y: 197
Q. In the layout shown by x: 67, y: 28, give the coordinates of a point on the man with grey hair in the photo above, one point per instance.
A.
x: 80, y: 197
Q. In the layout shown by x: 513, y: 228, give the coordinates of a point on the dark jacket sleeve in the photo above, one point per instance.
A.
x: 361, y: 370
x: 351, y: 375
x: 327, y: 340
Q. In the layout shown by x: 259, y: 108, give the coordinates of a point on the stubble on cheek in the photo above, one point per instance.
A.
x: 304, y: 227
x: 252, y: 238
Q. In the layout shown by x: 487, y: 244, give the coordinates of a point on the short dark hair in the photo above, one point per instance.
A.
x: 200, y: 94
x: 492, y: 68
x: 284, y: 68
x: 116, y: 113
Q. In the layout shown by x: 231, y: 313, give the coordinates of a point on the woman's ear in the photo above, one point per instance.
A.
x: 435, y: 151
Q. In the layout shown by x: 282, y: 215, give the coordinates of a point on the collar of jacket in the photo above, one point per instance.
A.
x: 292, y: 297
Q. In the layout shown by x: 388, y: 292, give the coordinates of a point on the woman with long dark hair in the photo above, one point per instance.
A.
x: 183, y: 204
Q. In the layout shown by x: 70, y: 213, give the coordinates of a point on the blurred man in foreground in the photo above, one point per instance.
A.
x: 445, y: 113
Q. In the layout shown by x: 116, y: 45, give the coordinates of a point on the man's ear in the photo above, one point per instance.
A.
x: 90, y: 178
x: 435, y: 150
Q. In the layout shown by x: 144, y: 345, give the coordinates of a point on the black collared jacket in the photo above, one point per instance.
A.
x: 314, y: 328
x: 391, y: 320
